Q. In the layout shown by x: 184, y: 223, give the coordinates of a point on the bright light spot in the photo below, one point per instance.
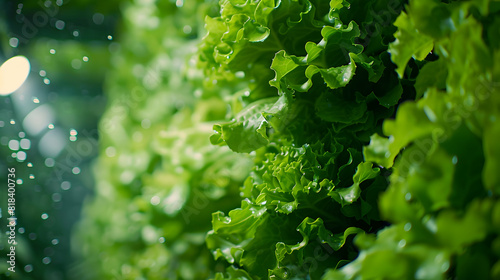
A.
x: 155, y: 200
x: 85, y: 58
x: 408, y: 196
x: 161, y: 239
x: 72, y: 138
x: 402, y: 243
x: 110, y: 37
x: 407, y: 227
x: 174, y: 201
x: 25, y: 144
x: 14, y: 42
x: 65, y: 185
x: 28, y: 268
x: 13, y: 155
x: 13, y: 73
x: 187, y: 29
x: 126, y: 177
x: 22, y: 134
x: 36, y: 100
x: 21, y: 156
x: 73, y: 132
x: 46, y: 81
x: 179, y: 3
x: 32, y: 176
x: 76, y: 170
x: 50, y: 162
x: 30, y: 164
x: 52, y: 51
x: 76, y: 33
x: 60, y: 24
x: 50, y: 126
x: 46, y: 260
x: 19, y: 181
x: 149, y: 234
x: 45, y: 216
x: 110, y: 151
x: 42, y: 73
x: 14, y: 145
x: 55, y: 241
x: 12, y: 121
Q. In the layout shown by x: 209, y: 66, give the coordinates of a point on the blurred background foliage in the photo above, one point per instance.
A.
x: 116, y: 79
x: 158, y: 176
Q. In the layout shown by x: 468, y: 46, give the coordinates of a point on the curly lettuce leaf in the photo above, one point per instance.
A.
x: 409, y: 43
x: 250, y: 129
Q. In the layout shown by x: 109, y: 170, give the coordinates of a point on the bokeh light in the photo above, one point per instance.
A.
x: 13, y: 73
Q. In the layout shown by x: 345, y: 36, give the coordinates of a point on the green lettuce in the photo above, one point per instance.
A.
x: 311, y: 139
x: 443, y: 193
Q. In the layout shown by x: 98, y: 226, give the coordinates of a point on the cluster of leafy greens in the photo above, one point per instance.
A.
x: 158, y: 178
x: 328, y: 120
x: 443, y: 197
x: 320, y: 83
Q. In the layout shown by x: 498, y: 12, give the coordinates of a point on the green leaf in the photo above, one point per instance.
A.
x: 335, y: 77
x: 248, y: 131
x: 409, y: 43
x: 315, y: 237
x: 433, y: 74
x: 457, y: 232
x: 411, y: 123
x: 349, y: 195
x: 284, y: 66
x: 232, y: 233
x: 378, y: 150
